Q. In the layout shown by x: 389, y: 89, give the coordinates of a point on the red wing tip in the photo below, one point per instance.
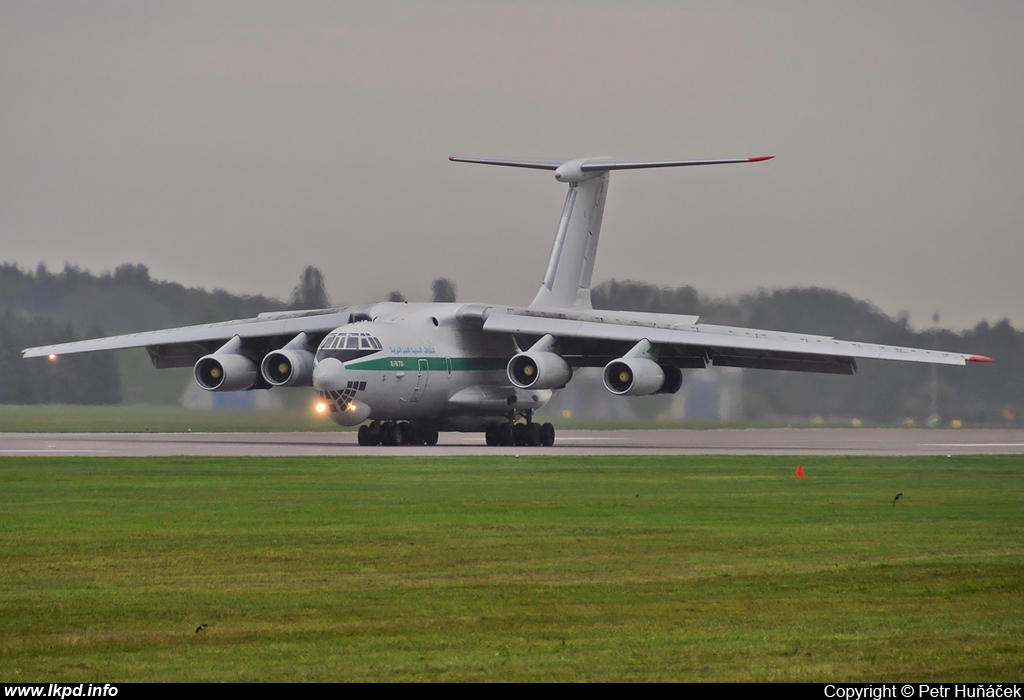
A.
x: 979, y: 358
x: 757, y: 159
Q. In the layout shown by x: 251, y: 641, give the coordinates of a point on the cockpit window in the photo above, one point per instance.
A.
x: 348, y: 346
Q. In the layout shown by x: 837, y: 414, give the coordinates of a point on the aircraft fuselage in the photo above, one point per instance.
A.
x: 417, y: 363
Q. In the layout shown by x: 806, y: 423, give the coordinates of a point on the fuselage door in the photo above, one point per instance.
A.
x: 422, y: 375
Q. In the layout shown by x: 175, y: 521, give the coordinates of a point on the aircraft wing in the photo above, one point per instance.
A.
x: 182, y: 347
x: 594, y: 338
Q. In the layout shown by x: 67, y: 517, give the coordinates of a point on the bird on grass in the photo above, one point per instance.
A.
x: 200, y: 628
x: 896, y: 499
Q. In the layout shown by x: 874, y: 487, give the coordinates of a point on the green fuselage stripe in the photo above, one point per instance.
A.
x: 434, y: 364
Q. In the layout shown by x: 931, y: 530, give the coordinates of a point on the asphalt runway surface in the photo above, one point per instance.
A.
x: 754, y: 441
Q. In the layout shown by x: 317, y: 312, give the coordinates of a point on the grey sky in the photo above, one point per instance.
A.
x: 228, y: 144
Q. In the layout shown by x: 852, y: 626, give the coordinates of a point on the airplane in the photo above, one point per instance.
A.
x: 404, y: 372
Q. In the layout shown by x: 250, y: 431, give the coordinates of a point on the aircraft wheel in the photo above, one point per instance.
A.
x: 519, y: 434
x: 387, y: 434
x: 364, y: 436
x: 533, y: 432
x: 399, y: 433
x: 505, y: 434
x: 547, y: 435
x: 430, y: 437
x: 491, y: 435
x: 410, y: 435
x: 373, y: 434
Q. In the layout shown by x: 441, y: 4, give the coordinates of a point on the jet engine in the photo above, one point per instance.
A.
x: 633, y: 376
x: 226, y: 369
x: 637, y: 373
x: 638, y: 376
x: 539, y: 370
x: 540, y: 367
x: 225, y: 372
x: 288, y: 367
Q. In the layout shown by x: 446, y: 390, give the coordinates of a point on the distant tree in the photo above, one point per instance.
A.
x: 443, y: 289
x: 311, y: 292
x: 396, y: 296
x: 640, y: 296
x: 129, y: 274
x: 91, y: 378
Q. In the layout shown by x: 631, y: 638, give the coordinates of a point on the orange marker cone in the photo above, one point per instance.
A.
x: 799, y: 472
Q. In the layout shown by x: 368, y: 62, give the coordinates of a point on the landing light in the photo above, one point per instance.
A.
x: 53, y: 357
x: 321, y: 407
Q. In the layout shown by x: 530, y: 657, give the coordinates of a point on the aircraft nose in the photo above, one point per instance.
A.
x: 327, y: 375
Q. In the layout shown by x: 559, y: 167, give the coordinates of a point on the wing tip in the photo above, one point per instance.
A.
x: 758, y: 159
x: 979, y: 358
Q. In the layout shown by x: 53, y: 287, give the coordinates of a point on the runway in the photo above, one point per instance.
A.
x: 782, y: 441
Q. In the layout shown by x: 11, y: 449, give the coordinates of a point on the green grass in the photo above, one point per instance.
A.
x: 495, y: 568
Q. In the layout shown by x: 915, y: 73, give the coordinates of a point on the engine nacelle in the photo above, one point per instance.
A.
x: 225, y: 372
x: 639, y: 376
x: 539, y: 370
x: 288, y: 368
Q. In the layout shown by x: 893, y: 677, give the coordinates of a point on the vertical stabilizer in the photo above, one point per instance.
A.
x: 571, y: 263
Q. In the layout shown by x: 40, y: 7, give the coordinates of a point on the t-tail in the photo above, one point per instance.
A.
x: 570, y: 266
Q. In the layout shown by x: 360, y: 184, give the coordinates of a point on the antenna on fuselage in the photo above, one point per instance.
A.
x: 567, y: 277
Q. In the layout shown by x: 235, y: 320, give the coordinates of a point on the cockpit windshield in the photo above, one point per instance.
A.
x: 347, y: 346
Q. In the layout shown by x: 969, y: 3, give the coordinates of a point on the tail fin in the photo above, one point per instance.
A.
x: 570, y: 266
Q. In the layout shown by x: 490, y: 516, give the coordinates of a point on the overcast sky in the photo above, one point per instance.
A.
x: 229, y: 144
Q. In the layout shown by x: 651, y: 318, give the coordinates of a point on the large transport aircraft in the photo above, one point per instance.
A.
x: 414, y: 370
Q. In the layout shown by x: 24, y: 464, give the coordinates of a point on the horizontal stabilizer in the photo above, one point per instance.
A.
x: 597, y: 165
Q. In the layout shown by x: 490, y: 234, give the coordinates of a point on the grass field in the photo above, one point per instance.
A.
x: 495, y: 568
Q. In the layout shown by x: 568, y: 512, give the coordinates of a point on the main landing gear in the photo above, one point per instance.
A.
x: 391, y: 434
x: 528, y: 434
